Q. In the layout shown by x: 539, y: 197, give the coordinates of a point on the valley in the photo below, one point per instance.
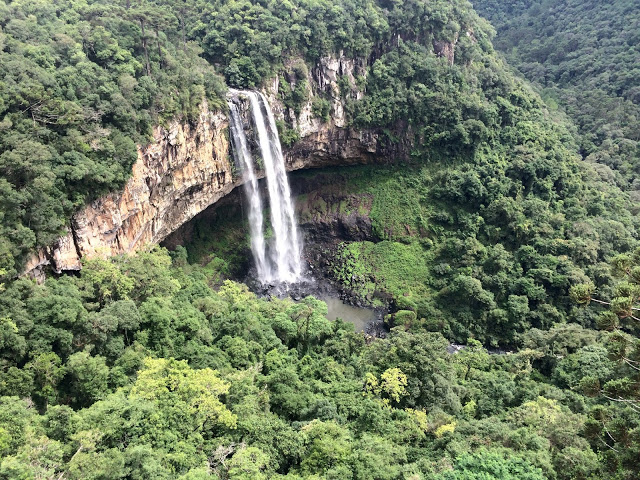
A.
x: 319, y: 240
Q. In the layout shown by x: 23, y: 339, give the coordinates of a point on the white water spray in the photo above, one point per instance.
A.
x: 284, y: 262
x: 244, y: 160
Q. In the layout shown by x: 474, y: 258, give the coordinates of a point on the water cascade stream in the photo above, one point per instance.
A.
x: 281, y: 260
x: 244, y: 159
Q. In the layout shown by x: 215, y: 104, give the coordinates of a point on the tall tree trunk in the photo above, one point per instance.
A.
x: 159, y: 49
x: 144, y: 47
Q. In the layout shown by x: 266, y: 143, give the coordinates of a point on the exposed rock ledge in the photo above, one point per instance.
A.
x: 188, y: 168
x: 183, y: 171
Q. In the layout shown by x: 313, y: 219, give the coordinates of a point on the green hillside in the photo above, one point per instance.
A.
x: 584, y: 56
x: 488, y: 228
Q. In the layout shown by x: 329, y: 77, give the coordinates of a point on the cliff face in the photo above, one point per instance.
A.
x: 331, y: 142
x: 184, y: 170
x: 188, y: 168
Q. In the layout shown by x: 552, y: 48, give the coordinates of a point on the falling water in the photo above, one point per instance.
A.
x: 284, y: 261
x: 243, y: 158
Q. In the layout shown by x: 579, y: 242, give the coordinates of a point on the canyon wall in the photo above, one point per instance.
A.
x: 188, y: 167
x: 185, y: 169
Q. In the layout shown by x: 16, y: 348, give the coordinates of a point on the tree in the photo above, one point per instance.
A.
x: 88, y: 378
x: 391, y: 386
x: 172, y: 385
x: 47, y: 371
x: 156, y: 426
x: 249, y: 464
x: 489, y: 465
x: 615, y: 426
x: 310, y: 316
x: 328, y: 445
x: 621, y: 321
x: 40, y: 457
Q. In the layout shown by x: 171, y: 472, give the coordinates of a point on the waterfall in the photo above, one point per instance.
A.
x: 283, y: 262
x: 244, y: 160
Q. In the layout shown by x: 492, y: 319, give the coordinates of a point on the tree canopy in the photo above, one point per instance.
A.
x: 200, y: 382
x: 485, y: 227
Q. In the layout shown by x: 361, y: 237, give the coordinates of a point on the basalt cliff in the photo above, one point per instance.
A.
x: 188, y: 167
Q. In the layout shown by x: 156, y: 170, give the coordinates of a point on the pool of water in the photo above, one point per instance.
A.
x: 363, y: 319
x: 360, y: 317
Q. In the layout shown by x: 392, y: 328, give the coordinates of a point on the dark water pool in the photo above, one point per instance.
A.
x: 360, y: 317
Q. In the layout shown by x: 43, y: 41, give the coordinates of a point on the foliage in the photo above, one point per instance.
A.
x: 80, y: 84
x: 147, y: 366
x: 486, y: 249
x: 615, y: 379
x: 201, y: 380
x: 491, y: 466
x: 583, y: 56
x: 367, y: 268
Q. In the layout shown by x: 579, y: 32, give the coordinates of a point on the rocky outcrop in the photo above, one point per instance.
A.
x: 443, y: 48
x: 187, y: 168
x: 184, y: 170
x: 326, y: 75
x: 329, y: 213
x: 332, y: 142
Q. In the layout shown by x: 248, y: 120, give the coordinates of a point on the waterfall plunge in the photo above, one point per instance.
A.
x: 283, y: 261
x: 244, y: 160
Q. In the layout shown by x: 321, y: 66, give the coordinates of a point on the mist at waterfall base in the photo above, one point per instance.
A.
x: 278, y: 264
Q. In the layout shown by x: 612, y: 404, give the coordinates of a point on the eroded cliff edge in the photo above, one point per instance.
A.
x: 187, y: 168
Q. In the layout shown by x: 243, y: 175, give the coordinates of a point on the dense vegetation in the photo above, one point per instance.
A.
x: 148, y: 366
x: 584, y: 56
x: 80, y: 84
x: 84, y: 81
x: 506, y: 261
x: 138, y: 369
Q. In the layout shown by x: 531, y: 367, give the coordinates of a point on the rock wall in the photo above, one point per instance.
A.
x: 184, y: 170
x: 332, y: 142
x: 188, y: 168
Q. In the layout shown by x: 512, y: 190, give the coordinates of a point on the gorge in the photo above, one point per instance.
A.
x: 164, y: 162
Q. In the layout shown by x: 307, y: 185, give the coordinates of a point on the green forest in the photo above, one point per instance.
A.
x: 584, y: 57
x: 503, y: 218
